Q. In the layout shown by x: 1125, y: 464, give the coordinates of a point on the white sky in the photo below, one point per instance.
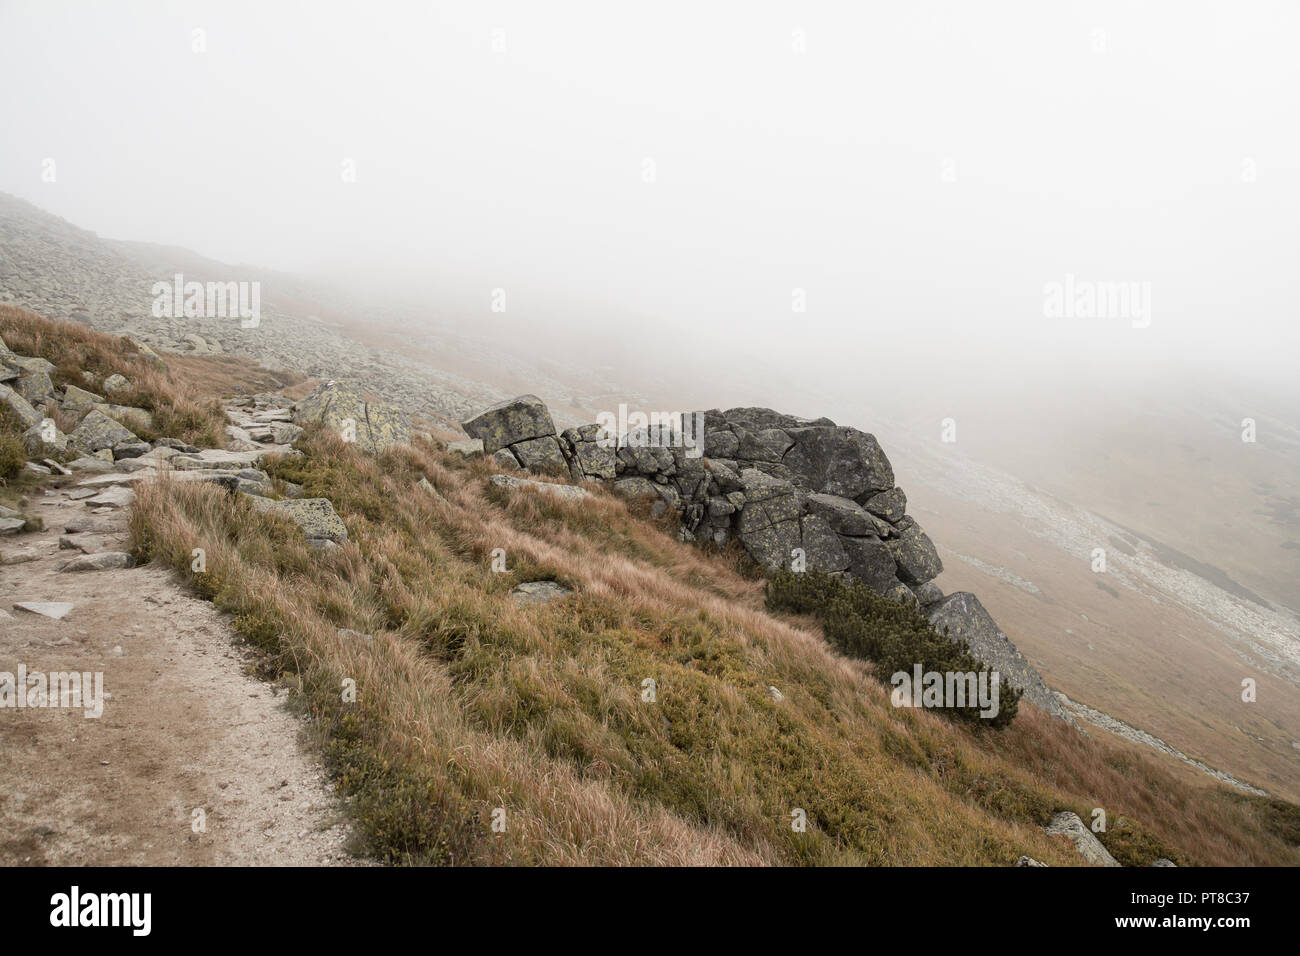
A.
x: 822, y: 170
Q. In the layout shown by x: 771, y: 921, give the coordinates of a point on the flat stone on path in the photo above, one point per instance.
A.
x: 102, y: 561
x: 113, y: 498
x: 55, y: 609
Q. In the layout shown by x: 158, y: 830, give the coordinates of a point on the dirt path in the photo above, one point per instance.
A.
x: 184, y: 727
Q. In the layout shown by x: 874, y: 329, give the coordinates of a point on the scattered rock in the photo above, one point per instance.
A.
x: 36, y: 387
x: 570, y: 492
x: 53, y: 609
x: 19, y: 406
x: 97, y: 431
x: 1069, y: 825
x: 100, y: 561
x: 539, y: 592
x: 78, y: 401
x: 316, y: 516
x: 425, y: 485
x: 112, y: 498
x: 20, y: 556
x: 285, y: 433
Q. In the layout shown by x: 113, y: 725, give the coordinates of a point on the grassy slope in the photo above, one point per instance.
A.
x: 466, y: 702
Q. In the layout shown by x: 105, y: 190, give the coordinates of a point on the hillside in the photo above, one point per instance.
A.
x: 469, y: 648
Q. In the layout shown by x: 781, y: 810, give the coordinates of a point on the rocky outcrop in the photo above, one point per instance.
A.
x: 796, y: 493
x: 568, y: 492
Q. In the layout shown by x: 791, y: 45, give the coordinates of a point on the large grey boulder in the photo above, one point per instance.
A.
x: 342, y: 407
x: 963, y: 618
x: 19, y: 406
x: 768, y: 524
x: 890, y: 505
x: 540, y: 454
x: 871, y: 562
x: 36, y: 387
x: 838, y: 461
x: 315, y: 516
x: 821, y: 546
x: 591, y: 454
x: 128, y: 415
x: 772, y: 546
x: 44, y: 438
x: 510, y: 422
x: 768, y: 501
x: 917, y: 559
x: 79, y: 401
x: 98, y: 431
x: 29, y: 365
x: 845, y: 515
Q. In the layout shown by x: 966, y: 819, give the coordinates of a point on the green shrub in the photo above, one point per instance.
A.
x: 892, y: 635
x: 12, y: 457
x: 12, y: 454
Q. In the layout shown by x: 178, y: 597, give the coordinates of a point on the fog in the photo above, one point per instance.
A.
x: 870, y: 199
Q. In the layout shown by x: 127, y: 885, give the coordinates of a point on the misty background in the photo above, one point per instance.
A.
x: 655, y: 187
x: 844, y: 209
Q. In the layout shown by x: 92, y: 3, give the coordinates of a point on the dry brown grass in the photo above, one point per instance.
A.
x: 227, y: 375
x: 467, y: 702
x: 84, y: 357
